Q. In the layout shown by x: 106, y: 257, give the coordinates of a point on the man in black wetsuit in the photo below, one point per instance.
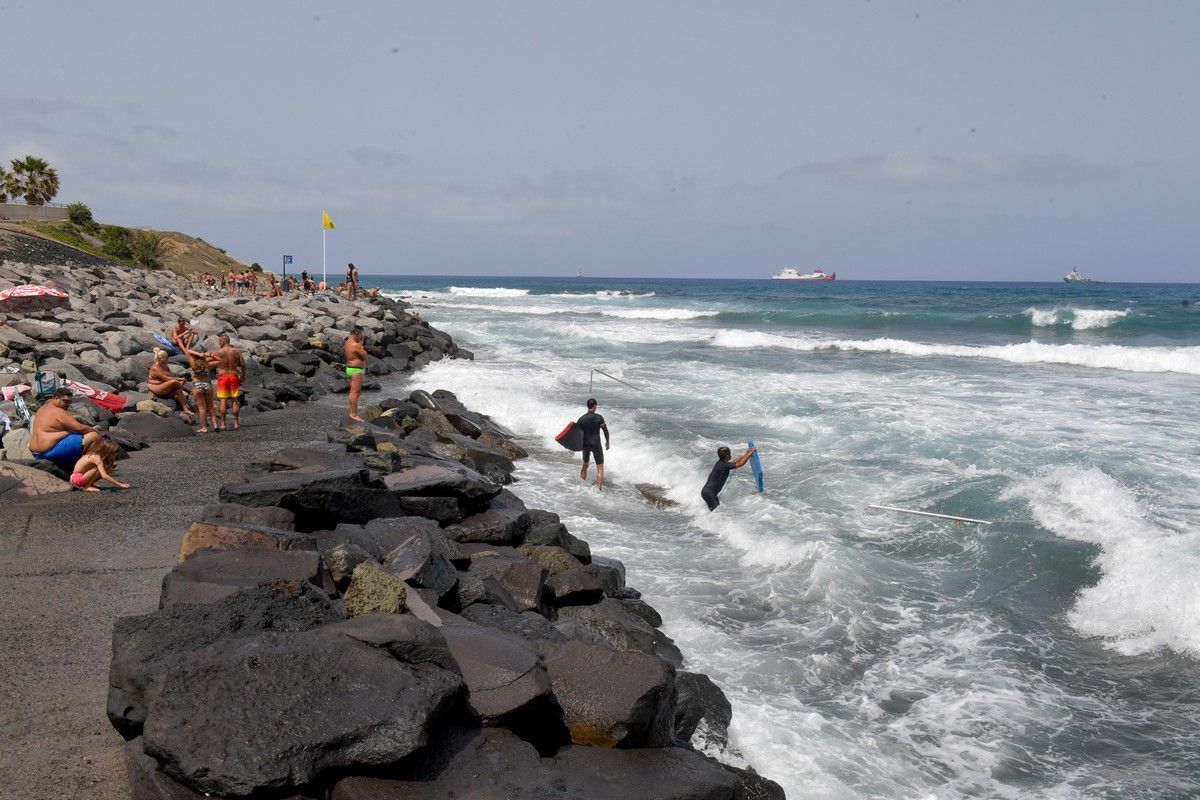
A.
x: 720, y: 474
x: 591, y: 424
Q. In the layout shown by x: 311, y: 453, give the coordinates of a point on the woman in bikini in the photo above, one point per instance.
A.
x: 202, y: 390
x: 165, y: 385
x: 96, y: 465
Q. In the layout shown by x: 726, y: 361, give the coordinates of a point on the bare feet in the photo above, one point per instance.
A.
x: 91, y: 489
x: 357, y: 418
x: 202, y: 430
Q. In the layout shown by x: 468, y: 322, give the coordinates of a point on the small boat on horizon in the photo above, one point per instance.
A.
x: 789, y: 274
x: 1075, y: 276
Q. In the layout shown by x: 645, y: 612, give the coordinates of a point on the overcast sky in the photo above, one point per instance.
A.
x: 900, y: 140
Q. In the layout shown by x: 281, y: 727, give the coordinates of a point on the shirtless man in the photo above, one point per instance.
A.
x: 231, y: 371
x: 182, y: 335
x: 58, y: 436
x: 356, y: 363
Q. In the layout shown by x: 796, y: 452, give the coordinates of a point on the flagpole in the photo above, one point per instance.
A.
x: 323, y: 278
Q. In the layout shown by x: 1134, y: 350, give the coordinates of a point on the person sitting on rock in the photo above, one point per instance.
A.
x: 274, y: 282
x: 182, y: 335
x: 57, y: 436
x: 165, y: 385
x: 91, y: 467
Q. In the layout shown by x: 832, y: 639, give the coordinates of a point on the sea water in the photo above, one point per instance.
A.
x: 1055, y: 653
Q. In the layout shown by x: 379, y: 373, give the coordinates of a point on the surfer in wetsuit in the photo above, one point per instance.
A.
x: 591, y: 424
x: 720, y: 474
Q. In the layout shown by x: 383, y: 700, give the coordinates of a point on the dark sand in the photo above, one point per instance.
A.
x: 70, y: 564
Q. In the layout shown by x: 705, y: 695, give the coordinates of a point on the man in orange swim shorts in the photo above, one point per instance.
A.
x: 231, y: 371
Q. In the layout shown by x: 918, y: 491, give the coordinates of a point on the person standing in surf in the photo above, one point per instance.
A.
x: 720, y: 473
x: 356, y: 363
x: 592, y: 424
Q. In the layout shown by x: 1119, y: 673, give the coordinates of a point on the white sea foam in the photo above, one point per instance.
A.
x: 1149, y: 596
x: 666, y: 314
x: 1080, y: 319
x: 1184, y: 360
x: 499, y: 291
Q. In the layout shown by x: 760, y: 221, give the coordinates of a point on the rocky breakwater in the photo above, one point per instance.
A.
x: 105, y: 339
x: 375, y: 616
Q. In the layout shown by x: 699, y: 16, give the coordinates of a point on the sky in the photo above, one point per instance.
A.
x: 883, y: 140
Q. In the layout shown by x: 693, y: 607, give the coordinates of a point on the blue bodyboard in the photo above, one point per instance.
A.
x: 756, y: 467
x: 166, y: 343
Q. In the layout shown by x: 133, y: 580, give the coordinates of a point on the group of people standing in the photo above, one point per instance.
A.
x: 217, y: 377
x: 592, y: 425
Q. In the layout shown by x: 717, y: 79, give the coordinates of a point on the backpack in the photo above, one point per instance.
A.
x: 45, y: 384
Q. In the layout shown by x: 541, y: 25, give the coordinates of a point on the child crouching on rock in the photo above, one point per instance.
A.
x: 96, y: 465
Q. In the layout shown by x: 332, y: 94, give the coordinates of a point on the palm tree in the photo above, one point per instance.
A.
x: 34, y: 179
x: 3, y: 186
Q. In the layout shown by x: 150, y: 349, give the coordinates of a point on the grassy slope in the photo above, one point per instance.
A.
x: 179, y: 252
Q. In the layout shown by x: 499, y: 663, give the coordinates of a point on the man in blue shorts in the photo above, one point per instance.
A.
x: 591, y: 424
x: 58, y: 437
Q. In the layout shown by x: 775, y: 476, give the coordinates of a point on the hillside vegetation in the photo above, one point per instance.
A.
x: 178, y: 252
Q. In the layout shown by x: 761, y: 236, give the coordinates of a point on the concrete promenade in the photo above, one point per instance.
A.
x: 70, y: 564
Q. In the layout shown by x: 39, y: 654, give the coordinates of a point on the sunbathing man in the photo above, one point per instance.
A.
x: 231, y: 371
x: 164, y: 384
x: 182, y: 335
x: 59, y: 437
x: 356, y: 362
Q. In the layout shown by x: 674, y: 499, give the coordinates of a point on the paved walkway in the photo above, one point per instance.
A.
x: 70, y: 565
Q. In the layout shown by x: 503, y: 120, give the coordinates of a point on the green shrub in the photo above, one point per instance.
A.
x: 257, y: 267
x: 80, y: 214
x: 118, y: 242
x: 144, y: 249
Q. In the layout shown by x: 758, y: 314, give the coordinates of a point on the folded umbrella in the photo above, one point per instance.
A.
x: 28, y: 298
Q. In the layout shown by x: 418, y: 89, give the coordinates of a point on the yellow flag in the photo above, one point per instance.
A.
x: 326, y: 222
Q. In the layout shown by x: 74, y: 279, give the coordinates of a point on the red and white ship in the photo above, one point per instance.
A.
x: 789, y: 274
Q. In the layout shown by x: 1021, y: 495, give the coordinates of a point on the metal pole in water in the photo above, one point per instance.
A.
x: 929, y: 514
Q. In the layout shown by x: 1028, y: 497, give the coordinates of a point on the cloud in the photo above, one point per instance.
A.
x: 379, y: 157
x: 956, y: 172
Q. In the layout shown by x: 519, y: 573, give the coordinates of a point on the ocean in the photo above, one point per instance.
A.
x: 870, y: 654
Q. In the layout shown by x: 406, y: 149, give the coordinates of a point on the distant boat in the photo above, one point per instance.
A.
x: 579, y: 273
x: 1075, y: 276
x: 789, y: 274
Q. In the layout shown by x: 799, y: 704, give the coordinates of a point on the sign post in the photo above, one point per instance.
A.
x: 286, y: 260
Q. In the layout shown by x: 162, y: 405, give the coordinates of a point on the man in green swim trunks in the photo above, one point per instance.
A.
x: 356, y: 362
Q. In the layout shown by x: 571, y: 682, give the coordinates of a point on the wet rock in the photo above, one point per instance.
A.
x: 698, y: 699
x: 443, y: 510
x: 612, y: 699
x: 551, y: 558
x: 584, y: 585
x: 610, y: 623
x: 500, y: 524
x: 655, y: 495
x: 556, y: 534
x: 477, y: 586
x: 495, y: 764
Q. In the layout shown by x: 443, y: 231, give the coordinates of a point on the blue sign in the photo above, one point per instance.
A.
x: 287, y: 259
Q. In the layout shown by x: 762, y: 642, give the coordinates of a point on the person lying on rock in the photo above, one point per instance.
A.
x: 231, y: 372
x: 57, y: 436
x: 356, y: 363
x: 165, y: 385
x: 720, y: 474
x: 182, y: 335
x: 91, y: 467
